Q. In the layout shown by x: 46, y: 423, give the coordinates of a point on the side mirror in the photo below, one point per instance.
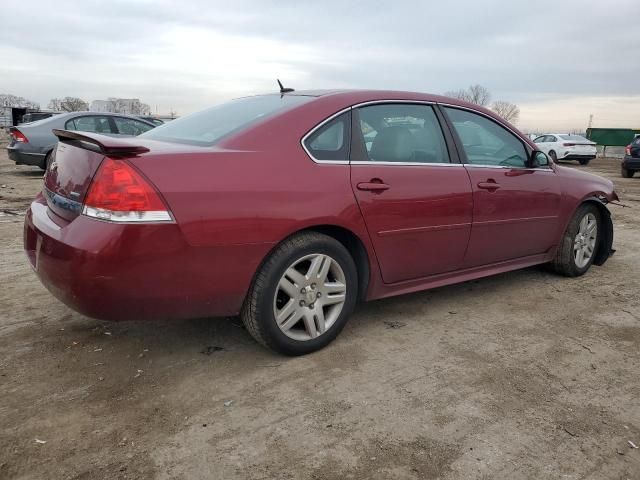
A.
x: 538, y: 159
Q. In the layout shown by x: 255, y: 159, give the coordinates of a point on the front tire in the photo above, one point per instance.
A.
x: 626, y: 173
x: 302, y: 295
x: 553, y: 156
x: 580, y: 242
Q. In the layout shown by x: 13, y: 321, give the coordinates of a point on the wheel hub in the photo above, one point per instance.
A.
x: 309, y: 297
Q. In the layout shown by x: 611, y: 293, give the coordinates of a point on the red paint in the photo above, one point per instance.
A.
x: 421, y: 226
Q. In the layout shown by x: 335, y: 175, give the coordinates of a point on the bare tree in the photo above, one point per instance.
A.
x: 461, y: 94
x: 68, y: 104
x: 139, y: 108
x: 474, y: 94
x: 479, y: 95
x: 8, y: 100
x: 55, y: 104
x: 507, y: 110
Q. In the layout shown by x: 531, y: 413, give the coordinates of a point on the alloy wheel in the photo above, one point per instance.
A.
x: 309, y: 297
x: 584, y: 243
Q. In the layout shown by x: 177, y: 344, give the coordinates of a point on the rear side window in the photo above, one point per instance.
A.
x: 94, y: 124
x: 209, y: 126
x: 485, y: 142
x: 129, y: 126
x: 402, y: 133
x: 331, y: 141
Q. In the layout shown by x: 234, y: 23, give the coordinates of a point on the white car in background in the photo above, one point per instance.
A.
x: 563, y: 146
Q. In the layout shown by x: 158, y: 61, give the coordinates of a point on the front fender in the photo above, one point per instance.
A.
x: 605, y: 247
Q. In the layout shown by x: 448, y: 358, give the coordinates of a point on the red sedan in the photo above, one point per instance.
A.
x: 290, y: 208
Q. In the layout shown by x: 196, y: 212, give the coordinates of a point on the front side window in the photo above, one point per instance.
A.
x: 402, y: 133
x: 93, y: 124
x: 331, y: 141
x: 129, y: 126
x: 539, y: 139
x: 485, y: 142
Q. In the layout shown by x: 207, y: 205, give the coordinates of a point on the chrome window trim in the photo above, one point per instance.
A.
x: 410, y: 164
x: 489, y: 117
x: 317, y: 127
x: 357, y: 105
x: 505, y: 167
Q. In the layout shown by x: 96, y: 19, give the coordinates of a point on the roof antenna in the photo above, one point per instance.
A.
x: 283, y: 89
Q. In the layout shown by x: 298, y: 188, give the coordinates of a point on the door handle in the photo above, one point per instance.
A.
x: 489, y: 185
x: 373, y: 186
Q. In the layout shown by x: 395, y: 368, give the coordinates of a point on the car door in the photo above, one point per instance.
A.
x: 413, y: 193
x: 515, y: 208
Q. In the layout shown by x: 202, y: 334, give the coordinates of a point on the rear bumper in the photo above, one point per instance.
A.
x: 25, y: 158
x: 631, y: 163
x: 135, y: 272
x: 579, y: 156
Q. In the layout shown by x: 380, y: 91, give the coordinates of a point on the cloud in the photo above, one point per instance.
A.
x: 186, y: 55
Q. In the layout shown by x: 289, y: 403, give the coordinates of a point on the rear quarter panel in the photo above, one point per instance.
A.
x: 254, y: 191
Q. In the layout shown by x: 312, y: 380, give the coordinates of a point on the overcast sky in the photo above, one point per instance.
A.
x: 558, y: 60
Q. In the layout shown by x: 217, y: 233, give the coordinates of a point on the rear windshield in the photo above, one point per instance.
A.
x: 209, y: 126
x: 575, y: 138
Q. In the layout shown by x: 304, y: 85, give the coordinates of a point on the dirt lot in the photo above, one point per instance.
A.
x: 523, y: 375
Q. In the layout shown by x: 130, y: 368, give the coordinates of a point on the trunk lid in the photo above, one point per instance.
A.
x: 73, y: 165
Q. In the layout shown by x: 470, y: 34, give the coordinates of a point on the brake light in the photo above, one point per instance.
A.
x: 119, y: 193
x: 627, y: 150
x: 568, y: 144
x: 18, y: 136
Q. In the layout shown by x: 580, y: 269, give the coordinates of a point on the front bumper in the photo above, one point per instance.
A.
x: 135, y: 272
x: 25, y: 158
x: 631, y: 163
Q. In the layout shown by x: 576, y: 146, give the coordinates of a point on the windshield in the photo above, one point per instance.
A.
x: 574, y: 138
x: 209, y: 126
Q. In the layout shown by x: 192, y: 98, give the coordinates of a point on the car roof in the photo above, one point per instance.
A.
x: 342, y: 98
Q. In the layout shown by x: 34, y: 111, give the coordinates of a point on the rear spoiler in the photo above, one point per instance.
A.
x: 107, y: 145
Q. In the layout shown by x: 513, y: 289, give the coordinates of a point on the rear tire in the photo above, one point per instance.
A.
x: 293, y: 310
x: 553, y: 156
x: 45, y: 162
x: 580, y: 242
x: 626, y: 173
x: 584, y: 161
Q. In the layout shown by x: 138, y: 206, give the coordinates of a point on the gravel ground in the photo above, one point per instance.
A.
x: 521, y: 375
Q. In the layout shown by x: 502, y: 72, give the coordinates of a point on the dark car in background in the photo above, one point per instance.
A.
x: 32, y: 143
x: 631, y: 161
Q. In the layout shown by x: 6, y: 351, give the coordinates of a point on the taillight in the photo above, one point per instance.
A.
x: 627, y: 150
x: 119, y: 193
x: 568, y: 144
x: 18, y: 136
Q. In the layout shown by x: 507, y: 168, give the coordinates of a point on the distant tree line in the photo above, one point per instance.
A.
x: 481, y: 96
x: 74, y: 104
x: 8, y: 100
